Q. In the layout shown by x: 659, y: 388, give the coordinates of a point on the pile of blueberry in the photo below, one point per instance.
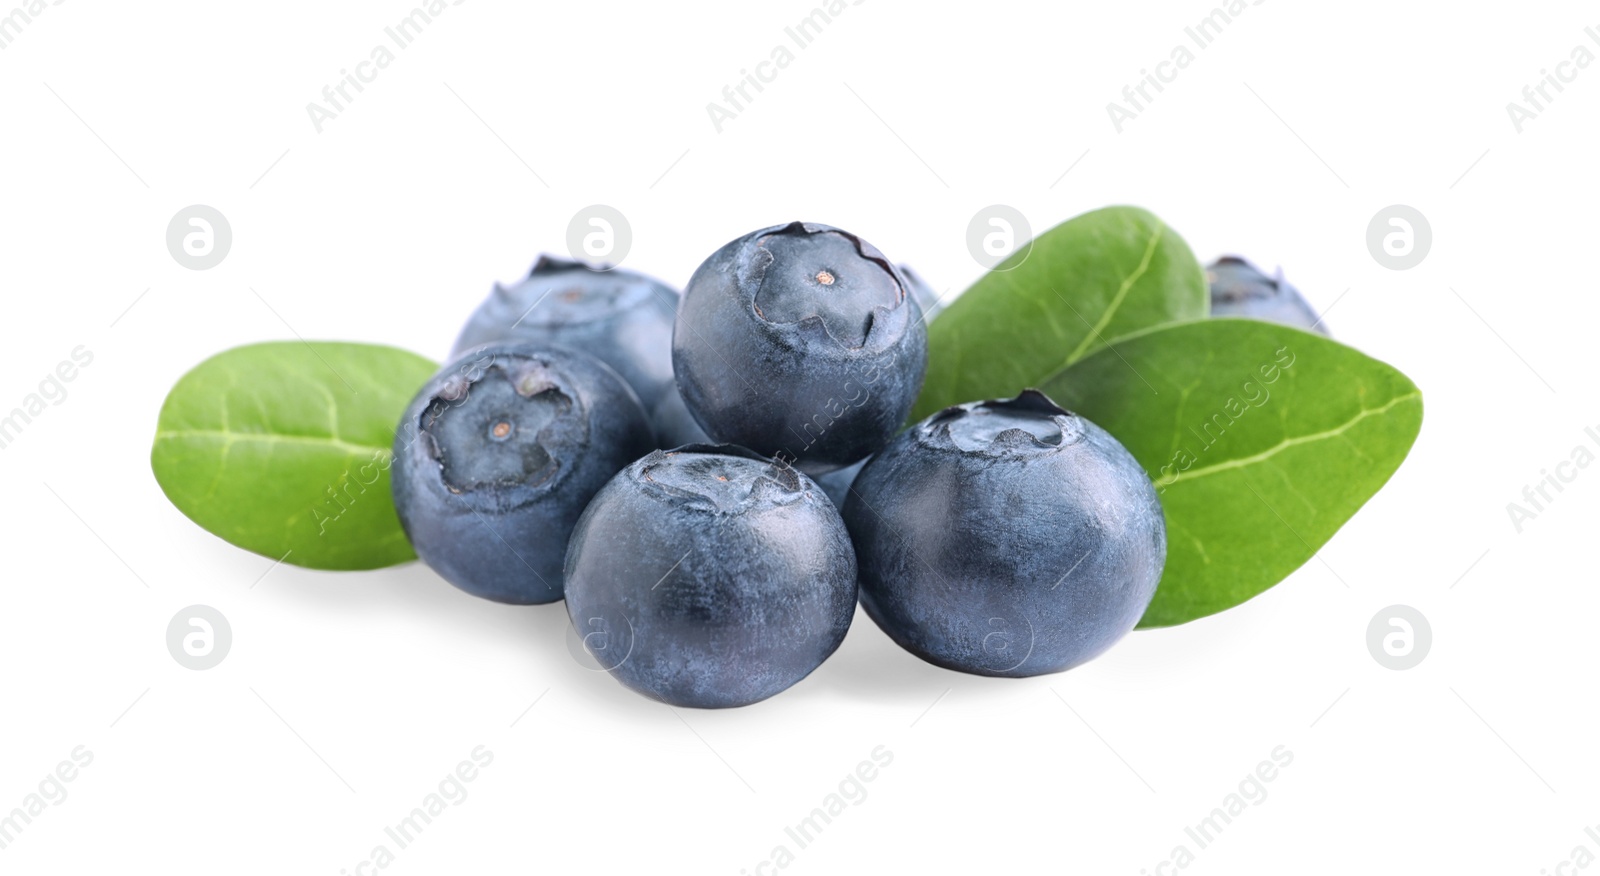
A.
x: 712, y: 480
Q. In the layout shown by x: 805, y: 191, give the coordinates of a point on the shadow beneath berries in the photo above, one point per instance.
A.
x: 870, y: 666
x: 540, y: 651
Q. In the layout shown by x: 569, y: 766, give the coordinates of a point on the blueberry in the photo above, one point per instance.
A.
x: 620, y: 317
x: 675, y: 426
x: 713, y: 576
x: 922, y: 293
x: 1239, y: 289
x: 837, y: 483
x: 1006, y: 538
x: 802, y: 342
x: 673, y: 423
x: 497, y: 456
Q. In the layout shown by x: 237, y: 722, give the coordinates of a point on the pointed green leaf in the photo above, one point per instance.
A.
x: 1080, y: 286
x: 1262, y: 441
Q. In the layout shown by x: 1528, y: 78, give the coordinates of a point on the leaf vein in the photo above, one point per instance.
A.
x: 1285, y: 444
x: 229, y: 438
x: 1122, y: 294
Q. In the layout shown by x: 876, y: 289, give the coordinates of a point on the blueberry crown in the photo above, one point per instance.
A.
x: 720, y: 478
x: 1030, y: 423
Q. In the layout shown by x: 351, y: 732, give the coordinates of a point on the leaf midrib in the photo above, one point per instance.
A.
x: 231, y: 437
x: 1286, y: 444
x: 1122, y: 294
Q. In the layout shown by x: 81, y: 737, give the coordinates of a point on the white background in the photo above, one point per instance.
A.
x: 346, y: 698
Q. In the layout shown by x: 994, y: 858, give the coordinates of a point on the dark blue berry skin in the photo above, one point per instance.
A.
x: 620, y: 317
x: 1238, y: 289
x: 922, y: 293
x: 713, y: 576
x: 673, y: 423
x: 801, y: 342
x: 1006, y: 538
x: 675, y: 426
x: 497, y: 456
x: 837, y: 483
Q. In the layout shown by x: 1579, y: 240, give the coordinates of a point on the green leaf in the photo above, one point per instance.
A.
x: 1081, y: 285
x: 284, y: 449
x: 1261, y: 439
